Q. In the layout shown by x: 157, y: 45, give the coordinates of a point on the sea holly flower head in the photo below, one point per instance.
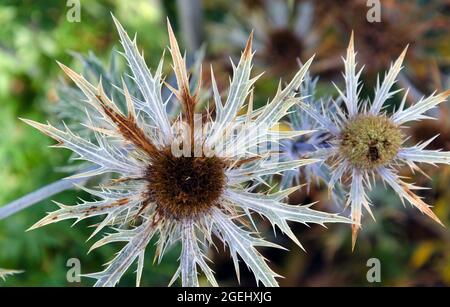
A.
x: 185, y: 180
x: 368, y: 143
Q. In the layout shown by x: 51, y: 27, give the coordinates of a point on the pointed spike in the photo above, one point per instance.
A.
x: 130, y: 106
x: 355, y: 231
x: 247, y: 53
x: 180, y: 70
x: 179, y: 63
x: 417, y: 202
x: 403, y: 54
x: 351, y: 44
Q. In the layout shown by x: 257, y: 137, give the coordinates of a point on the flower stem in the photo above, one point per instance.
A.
x: 39, y: 195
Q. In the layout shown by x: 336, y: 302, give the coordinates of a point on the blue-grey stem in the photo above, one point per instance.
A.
x: 40, y: 194
x: 190, y: 14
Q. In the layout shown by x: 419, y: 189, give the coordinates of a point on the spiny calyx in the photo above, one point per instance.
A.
x: 185, y: 187
x: 369, y: 141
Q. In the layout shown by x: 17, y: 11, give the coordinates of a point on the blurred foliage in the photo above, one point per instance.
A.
x: 34, y: 34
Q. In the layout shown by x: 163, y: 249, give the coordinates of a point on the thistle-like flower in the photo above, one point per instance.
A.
x: 367, y: 142
x: 205, y: 189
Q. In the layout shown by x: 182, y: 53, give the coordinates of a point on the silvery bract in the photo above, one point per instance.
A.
x: 306, y: 145
x: 368, y: 143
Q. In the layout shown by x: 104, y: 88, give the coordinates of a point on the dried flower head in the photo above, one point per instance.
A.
x: 400, y: 22
x: 187, y: 180
x: 284, y: 33
x: 367, y: 142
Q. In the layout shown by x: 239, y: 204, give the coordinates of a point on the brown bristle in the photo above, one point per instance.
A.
x: 183, y: 93
x: 185, y: 187
x: 129, y: 129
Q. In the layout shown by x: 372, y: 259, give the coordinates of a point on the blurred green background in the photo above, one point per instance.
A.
x: 34, y: 34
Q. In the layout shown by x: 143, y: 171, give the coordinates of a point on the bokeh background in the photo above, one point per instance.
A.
x: 413, y: 251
